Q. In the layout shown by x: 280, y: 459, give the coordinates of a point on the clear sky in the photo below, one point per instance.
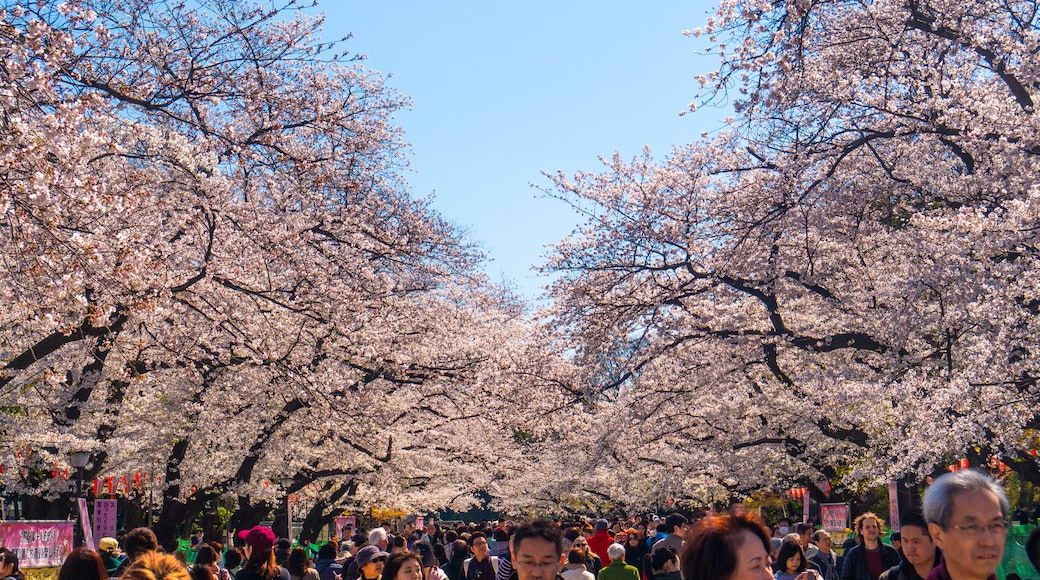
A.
x: 503, y: 91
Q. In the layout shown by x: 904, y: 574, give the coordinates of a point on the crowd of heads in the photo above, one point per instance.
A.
x: 961, y: 528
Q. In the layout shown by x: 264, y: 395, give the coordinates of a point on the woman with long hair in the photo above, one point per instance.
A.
x: 299, y: 566
x: 790, y: 562
x: 260, y: 564
x: 83, y: 564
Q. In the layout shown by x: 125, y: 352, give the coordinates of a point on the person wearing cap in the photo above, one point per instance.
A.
x: 370, y: 561
x: 260, y: 563
x: 111, y: 556
x: 600, y: 540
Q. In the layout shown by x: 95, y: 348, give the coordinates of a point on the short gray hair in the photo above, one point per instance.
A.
x: 616, y: 552
x: 376, y: 535
x: 938, y: 498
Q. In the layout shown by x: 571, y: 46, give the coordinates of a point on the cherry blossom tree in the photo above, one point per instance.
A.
x: 842, y: 284
x: 216, y: 274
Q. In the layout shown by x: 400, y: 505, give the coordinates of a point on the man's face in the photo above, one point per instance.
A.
x: 824, y: 543
x: 480, y: 548
x: 870, y: 530
x: 804, y: 538
x: 918, y: 548
x: 536, y: 559
x: 973, y: 542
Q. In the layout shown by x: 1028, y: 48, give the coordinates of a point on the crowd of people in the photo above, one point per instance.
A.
x: 958, y: 534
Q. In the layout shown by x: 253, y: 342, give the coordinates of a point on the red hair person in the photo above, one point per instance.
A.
x: 730, y: 547
x: 83, y: 564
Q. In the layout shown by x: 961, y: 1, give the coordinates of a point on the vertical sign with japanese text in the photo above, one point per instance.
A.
x: 105, y: 518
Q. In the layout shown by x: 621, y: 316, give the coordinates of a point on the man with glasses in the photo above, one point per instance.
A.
x: 967, y: 518
x: 537, y: 549
x: 480, y: 566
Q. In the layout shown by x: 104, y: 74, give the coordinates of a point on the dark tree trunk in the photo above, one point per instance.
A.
x: 249, y: 514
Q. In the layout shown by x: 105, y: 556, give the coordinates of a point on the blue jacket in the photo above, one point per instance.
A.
x: 328, y: 568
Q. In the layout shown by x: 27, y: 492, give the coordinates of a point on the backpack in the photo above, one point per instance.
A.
x: 465, y: 566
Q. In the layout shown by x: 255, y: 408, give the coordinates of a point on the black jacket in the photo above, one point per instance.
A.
x: 855, y: 567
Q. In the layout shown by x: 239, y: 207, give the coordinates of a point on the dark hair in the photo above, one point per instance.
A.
x: 327, y: 550
x: 576, y: 556
x: 1033, y: 548
x: 206, y: 555
x: 500, y: 535
x: 801, y: 528
x: 571, y: 533
x: 396, y: 561
x: 459, y: 550
x: 541, y: 529
x: 298, y: 562
x: 83, y: 564
x: 710, y: 549
x: 360, y: 539
x: 9, y: 557
x: 440, y: 554
x: 138, y: 541
x: 233, y: 558
x: 789, y: 549
x: 203, y: 558
x: 912, y: 517
x: 398, y: 542
x: 473, y: 537
x: 450, y: 536
x: 662, y: 556
x: 674, y: 520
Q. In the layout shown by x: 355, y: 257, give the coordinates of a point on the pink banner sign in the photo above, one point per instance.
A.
x: 834, y: 516
x: 893, y: 506
x: 105, y: 518
x: 419, y: 523
x: 38, y: 544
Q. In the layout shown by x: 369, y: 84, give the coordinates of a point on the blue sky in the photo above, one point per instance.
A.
x: 503, y: 91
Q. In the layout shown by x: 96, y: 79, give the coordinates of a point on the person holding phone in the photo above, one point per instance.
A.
x: 791, y: 563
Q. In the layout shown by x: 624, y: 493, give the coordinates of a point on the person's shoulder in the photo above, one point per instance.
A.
x: 890, y: 574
